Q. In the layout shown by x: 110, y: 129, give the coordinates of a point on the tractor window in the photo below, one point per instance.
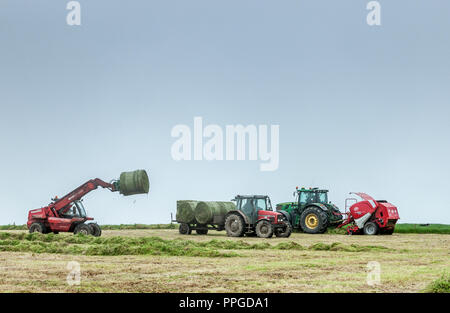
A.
x: 323, y: 197
x: 261, y: 204
x: 305, y: 197
x: 247, y: 206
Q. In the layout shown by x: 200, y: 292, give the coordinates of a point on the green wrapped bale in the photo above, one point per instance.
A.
x: 205, y: 211
x: 227, y: 207
x: 132, y: 183
x: 185, y: 211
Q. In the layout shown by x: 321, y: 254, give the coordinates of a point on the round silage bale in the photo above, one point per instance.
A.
x: 227, y: 206
x: 185, y: 211
x: 132, y: 183
x: 206, y: 210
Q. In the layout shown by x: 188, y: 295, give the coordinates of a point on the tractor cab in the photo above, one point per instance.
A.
x: 254, y: 216
x: 254, y: 207
x: 312, y: 195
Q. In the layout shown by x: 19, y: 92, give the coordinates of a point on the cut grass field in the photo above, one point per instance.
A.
x: 400, y: 228
x: 162, y: 260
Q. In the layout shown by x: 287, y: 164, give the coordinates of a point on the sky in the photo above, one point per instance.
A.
x: 359, y: 108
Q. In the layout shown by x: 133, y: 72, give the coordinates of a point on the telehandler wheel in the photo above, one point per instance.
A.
x: 234, y: 225
x: 264, y: 229
x: 96, y: 230
x: 370, y: 228
x: 314, y: 221
x: 84, y: 229
x: 185, y: 229
x: 38, y: 228
x: 284, y: 232
x: 201, y: 231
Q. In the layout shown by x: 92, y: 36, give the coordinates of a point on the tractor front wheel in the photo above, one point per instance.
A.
x: 83, y: 229
x: 185, y: 229
x: 370, y: 228
x: 96, y: 230
x: 314, y: 221
x: 285, y: 231
x: 264, y: 229
x: 38, y: 228
x: 234, y: 225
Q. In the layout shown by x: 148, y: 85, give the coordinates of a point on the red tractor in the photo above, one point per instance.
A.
x: 67, y: 214
x: 370, y: 216
x: 254, y: 216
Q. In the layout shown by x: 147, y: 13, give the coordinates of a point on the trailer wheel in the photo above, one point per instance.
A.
x: 285, y: 231
x: 202, y: 231
x: 96, y: 230
x: 264, y: 229
x: 185, y: 229
x: 234, y: 225
x: 83, y: 229
x: 314, y: 221
x: 38, y: 228
x: 370, y: 228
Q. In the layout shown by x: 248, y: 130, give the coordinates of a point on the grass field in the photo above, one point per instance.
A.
x: 162, y: 260
x: 400, y: 228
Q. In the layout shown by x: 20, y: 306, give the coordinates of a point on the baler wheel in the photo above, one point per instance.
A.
x: 284, y: 232
x: 38, y: 228
x: 264, y: 229
x: 370, y: 228
x: 185, y: 229
x: 234, y: 225
x: 84, y: 229
x: 314, y: 221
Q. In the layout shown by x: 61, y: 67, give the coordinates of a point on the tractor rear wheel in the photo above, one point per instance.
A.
x: 370, y: 228
x: 285, y: 231
x: 96, y: 230
x: 38, y: 228
x: 314, y: 221
x: 264, y: 229
x: 185, y: 229
x: 83, y: 229
x: 234, y: 225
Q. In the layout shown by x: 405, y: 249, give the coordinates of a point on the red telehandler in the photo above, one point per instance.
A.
x: 67, y: 214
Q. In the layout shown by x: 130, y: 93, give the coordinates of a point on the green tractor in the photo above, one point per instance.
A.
x: 311, y: 212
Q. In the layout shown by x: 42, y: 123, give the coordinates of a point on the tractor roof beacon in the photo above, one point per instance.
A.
x: 254, y: 217
x: 311, y: 211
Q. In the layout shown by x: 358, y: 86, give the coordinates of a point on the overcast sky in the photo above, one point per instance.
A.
x: 360, y: 108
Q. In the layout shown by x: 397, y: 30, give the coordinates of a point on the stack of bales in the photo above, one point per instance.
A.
x: 201, y: 212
